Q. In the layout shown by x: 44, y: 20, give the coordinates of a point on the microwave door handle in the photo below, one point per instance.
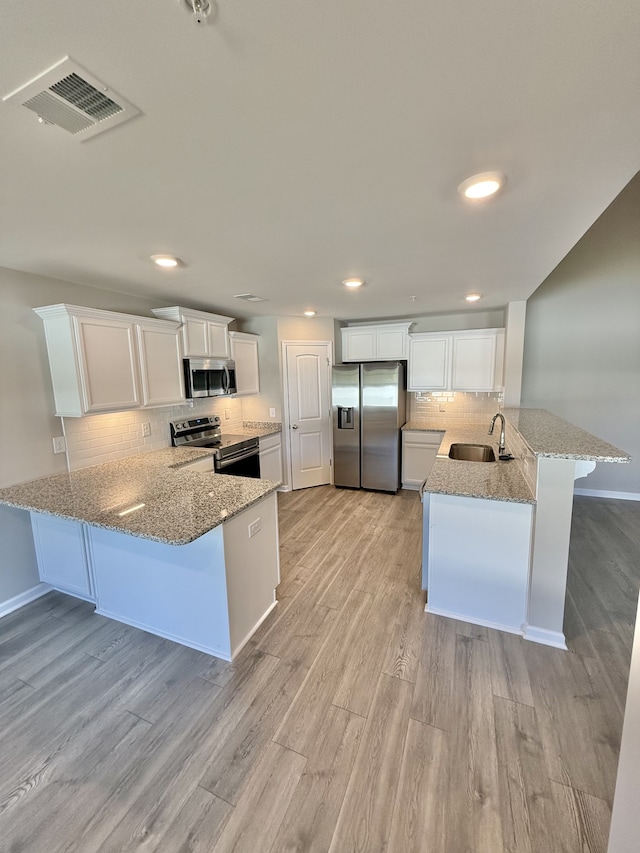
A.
x: 226, y: 381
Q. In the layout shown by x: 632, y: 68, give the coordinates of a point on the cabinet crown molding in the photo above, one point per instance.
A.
x: 62, y: 309
x: 175, y: 312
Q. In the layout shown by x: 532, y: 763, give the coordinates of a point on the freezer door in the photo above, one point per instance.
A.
x: 382, y: 398
x: 346, y: 425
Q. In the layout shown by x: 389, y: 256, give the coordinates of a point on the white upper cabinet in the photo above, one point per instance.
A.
x: 383, y: 342
x: 244, y: 352
x: 456, y: 361
x: 473, y: 361
x: 102, y: 361
x: 161, y: 374
x: 204, y: 335
x: 429, y: 362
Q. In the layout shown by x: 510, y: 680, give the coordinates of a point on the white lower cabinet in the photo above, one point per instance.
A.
x: 419, y: 451
x: 62, y: 554
x: 271, y: 458
x: 210, y: 594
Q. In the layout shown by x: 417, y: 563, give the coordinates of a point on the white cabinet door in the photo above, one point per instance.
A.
x: 419, y: 451
x: 473, y: 362
x: 62, y: 554
x: 204, y: 335
x: 456, y: 361
x: 160, y: 365
x: 384, y: 342
x: 244, y: 352
x: 391, y: 343
x: 107, y: 350
x: 429, y: 362
x: 271, y: 458
x: 195, y: 336
x: 358, y: 344
x: 218, y: 340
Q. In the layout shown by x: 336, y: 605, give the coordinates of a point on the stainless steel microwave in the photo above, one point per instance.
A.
x: 209, y: 377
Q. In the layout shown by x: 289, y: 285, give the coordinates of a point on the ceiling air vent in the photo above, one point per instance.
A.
x: 70, y: 97
x: 249, y: 297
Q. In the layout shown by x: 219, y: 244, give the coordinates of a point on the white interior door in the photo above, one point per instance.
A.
x: 309, y: 413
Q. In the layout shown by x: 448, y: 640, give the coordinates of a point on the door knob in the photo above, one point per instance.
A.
x: 295, y: 426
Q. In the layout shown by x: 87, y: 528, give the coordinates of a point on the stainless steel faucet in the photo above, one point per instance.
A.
x: 501, y: 443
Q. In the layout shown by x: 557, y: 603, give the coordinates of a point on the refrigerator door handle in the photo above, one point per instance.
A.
x: 345, y: 417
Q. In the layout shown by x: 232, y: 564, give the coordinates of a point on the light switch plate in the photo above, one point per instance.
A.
x: 272, y: 413
x: 146, y: 430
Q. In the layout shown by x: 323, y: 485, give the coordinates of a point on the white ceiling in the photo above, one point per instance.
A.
x: 288, y: 144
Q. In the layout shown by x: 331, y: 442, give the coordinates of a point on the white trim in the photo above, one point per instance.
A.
x: 244, y: 642
x: 166, y: 634
x: 604, y: 493
x: 544, y: 636
x: 485, y: 623
x: 23, y: 598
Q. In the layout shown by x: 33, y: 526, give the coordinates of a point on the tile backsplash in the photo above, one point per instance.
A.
x: 103, y: 438
x: 454, y: 408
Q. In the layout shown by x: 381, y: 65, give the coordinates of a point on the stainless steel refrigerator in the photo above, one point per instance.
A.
x: 369, y: 408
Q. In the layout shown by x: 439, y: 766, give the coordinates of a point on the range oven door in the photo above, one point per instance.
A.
x: 244, y: 463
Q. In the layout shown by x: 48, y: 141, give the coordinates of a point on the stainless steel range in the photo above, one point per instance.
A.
x: 235, y: 454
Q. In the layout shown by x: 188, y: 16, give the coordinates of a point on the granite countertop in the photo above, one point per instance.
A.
x: 551, y: 436
x: 259, y: 429
x: 546, y: 434
x: 173, y: 504
x: 497, y: 481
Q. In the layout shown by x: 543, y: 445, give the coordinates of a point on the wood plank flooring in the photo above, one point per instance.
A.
x: 352, y: 721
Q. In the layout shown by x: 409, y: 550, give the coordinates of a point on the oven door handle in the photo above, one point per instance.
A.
x: 237, y: 457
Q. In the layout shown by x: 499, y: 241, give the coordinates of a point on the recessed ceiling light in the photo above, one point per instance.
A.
x: 167, y: 261
x: 353, y: 282
x: 309, y: 313
x: 482, y: 185
x: 473, y: 297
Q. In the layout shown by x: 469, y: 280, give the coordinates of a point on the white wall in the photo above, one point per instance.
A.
x: 582, y: 339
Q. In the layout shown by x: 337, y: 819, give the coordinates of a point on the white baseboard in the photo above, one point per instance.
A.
x: 484, y: 622
x: 244, y: 642
x: 544, y: 636
x: 23, y: 598
x: 601, y: 493
x: 167, y: 635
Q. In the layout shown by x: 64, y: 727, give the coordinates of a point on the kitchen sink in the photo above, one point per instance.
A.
x: 472, y: 452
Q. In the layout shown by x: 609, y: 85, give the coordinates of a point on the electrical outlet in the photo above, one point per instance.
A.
x: 442, y: 407
x: 59, y: 444
x: 146, y: 430
x: 272, y: 412
x: 255, y: 527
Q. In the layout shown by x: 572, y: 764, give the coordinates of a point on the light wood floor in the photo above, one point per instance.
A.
x: 352, y: 722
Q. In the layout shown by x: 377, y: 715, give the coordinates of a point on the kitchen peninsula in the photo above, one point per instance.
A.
x: 191, y: 556
x: 496, y: 534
